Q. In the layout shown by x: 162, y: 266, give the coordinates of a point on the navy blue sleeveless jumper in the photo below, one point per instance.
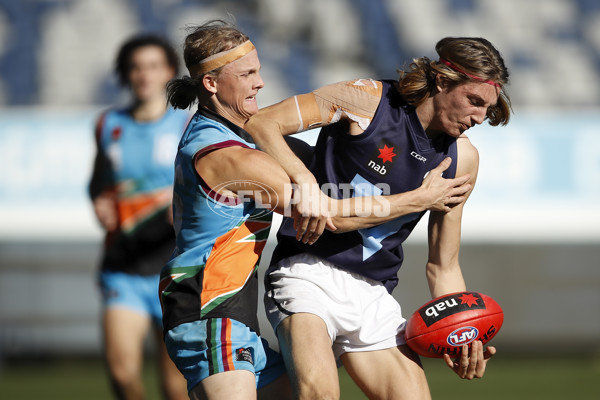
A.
x: 391, y: 156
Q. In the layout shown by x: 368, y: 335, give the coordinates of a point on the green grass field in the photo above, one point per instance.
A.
x: 510, y: 378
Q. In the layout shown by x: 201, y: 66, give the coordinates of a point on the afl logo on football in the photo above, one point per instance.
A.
x: 462, y: 336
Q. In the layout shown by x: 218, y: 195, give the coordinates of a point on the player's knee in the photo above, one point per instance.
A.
x: 124, y: 373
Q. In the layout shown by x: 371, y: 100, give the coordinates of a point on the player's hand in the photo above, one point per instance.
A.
x: 310, y: 212
x: 471, y: 363
x: 105, y: 209
x: 442, y: 194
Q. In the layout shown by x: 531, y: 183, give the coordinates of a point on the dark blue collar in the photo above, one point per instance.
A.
x: 205, y: 112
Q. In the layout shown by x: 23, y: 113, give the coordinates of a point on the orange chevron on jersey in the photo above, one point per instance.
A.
x: 233, y: 259
x: 135, y: 209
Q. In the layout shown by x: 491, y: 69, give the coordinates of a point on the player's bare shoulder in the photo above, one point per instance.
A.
x: 355, y: 87
x: 468, y: 157
x: 356, y: 99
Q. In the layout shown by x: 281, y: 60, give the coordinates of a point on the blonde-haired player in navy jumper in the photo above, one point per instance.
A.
x: 131, y: 191
x: 333, y: 299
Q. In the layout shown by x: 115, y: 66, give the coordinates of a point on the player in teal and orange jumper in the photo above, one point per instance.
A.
x: 223, y: 193
x: 131, y: 190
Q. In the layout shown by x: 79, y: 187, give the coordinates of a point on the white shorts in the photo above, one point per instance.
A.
x: 359, y: 312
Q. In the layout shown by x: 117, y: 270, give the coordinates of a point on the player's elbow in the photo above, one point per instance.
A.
x: 438, y: 268
x: 432, y: 270
x: 252, y: 126
x: 260, y: 127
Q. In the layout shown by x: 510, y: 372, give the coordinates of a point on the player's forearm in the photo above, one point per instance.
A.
x: 268, y: 135
x: 444, y: 279
x: 348, y: 224
x: 443, y: 270
x: 444, y: 274
x: 365, y: 212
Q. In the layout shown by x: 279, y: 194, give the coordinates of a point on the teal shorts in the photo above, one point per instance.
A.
x: 203, y: 348
x: 135, y: 292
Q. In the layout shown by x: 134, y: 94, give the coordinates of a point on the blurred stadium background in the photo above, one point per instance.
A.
x: 531, y: 229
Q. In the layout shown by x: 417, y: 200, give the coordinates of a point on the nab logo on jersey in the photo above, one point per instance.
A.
x: 385, y: 154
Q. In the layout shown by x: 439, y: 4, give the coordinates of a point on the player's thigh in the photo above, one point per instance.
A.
x: 306, y: 348
x: 394, y: 373
x: 239, y: 385
x: 124, y: 331
x: 173, y: 382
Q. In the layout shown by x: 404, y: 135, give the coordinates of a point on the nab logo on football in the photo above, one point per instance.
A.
x: 450, y: 305
x: 385, y: 154
x: 461, y: 336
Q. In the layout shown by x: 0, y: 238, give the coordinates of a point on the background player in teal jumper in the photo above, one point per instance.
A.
x: 131, y: 191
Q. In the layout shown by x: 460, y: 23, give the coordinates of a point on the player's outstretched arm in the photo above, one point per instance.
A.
x: 271, y: 124
x: 444, y: 274
x: 435, y: 194
x: 268, y: 127
x: 444, y: 230
x: 248, y: 174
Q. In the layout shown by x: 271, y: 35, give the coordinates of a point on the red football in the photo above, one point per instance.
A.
x: 448, y: 322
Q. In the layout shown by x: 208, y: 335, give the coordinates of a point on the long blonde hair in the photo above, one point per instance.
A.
x: 473, y: 58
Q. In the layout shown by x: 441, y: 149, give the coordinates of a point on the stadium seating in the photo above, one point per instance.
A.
x: 60, y: 53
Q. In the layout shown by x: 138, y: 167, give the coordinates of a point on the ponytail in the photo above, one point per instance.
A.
x: 183, y: 92
x: 417, y: 84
